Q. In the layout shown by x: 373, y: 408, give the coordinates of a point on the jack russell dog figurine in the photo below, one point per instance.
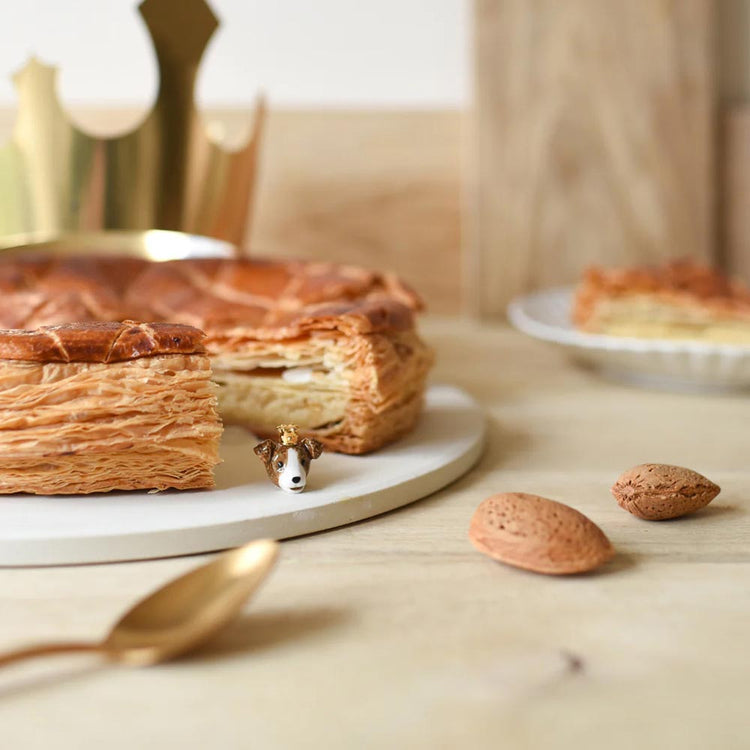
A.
x: 288, y: 462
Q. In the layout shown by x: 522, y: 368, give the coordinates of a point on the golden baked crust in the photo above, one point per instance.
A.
x: 353, y: 328
x: 258, y: 298
x: 681, y: 299
x: 99, y: 342
x: 273, y: 300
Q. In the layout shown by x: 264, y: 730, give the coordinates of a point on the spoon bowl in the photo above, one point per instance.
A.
x: 181, y: 615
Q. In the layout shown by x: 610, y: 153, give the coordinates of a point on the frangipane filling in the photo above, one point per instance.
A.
x: 642, y: 317
x: 267, y: 383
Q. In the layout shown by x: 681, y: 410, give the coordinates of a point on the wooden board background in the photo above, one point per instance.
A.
x: 733, y: 179
x: 378, y: 188
x: 734, y: 184
x: 594, y: 139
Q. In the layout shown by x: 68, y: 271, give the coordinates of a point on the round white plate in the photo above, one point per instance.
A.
x: 448, y: 440
x: 674, y: 364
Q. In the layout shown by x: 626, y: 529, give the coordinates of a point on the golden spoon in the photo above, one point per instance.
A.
x: 179, y: 616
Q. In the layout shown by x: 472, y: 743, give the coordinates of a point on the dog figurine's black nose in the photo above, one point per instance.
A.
x: 296, y: 479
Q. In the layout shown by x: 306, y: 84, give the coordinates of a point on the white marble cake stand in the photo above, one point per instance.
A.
x: 63, y: 530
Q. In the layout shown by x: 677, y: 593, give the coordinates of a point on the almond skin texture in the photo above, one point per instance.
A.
x: 657, y: 492
x: 538, y: 534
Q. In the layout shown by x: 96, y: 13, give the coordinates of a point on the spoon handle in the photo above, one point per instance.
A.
x: 47, y: 649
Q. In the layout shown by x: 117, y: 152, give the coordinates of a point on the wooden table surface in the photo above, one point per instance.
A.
x: 395, y: 633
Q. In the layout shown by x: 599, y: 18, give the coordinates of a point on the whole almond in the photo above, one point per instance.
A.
x: 538, y: 534
x: 656, y: 492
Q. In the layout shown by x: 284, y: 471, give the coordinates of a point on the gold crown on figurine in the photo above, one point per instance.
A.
x: 288, y: 434
x: 168, y: 173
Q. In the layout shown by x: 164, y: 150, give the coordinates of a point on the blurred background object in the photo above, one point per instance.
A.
x: 360, y: 156
x: 594, y: 135
x: 586, y: 132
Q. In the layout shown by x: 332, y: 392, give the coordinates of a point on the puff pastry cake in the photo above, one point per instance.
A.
x: 679, y: 300
x: 331, y: 348
x: 93, y: 407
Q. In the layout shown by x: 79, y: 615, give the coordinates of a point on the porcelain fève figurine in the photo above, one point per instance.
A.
x: 288, y: 462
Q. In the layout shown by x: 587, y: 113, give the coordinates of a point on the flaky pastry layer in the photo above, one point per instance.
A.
x: 79, y: 427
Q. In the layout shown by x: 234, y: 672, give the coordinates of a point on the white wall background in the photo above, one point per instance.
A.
x: 390, y: 53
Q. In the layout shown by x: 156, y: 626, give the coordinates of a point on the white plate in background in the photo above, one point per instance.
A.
x: 676, y: 364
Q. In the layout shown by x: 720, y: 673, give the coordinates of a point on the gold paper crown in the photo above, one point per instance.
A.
x: 166, y: 174
x: 288, y: 434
